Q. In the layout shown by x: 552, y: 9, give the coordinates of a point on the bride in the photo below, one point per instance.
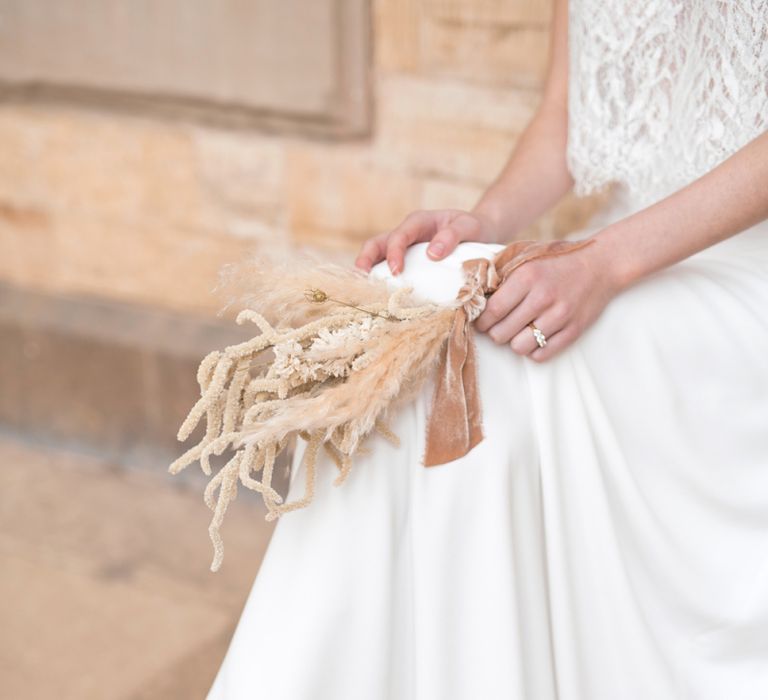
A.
x: 608, y: 539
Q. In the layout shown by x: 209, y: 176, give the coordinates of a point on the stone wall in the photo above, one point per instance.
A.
x: 146, y: 210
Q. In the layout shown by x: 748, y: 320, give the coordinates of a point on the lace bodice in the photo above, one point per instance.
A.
x: 661, y: 91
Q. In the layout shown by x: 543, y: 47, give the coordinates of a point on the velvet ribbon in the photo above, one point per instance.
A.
x: 454, y: 426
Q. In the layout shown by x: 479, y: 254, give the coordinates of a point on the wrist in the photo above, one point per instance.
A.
x: 492, y: 227
x: 613, y: 259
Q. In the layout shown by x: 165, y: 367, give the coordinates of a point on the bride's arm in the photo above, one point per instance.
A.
x: 534, y: 178
x: 727, y: 200
x: 536, y: 175
x: 565, y: 294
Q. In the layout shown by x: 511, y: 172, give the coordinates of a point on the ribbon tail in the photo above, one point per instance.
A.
x: 455, y: 426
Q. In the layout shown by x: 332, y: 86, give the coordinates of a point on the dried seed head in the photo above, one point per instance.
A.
x: 316, y: 295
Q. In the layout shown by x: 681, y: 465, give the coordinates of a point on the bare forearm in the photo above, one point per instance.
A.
x: 535, y: 177
x: 727, y: 200
x: 536, y: 174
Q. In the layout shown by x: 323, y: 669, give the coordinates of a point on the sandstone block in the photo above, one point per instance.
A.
x: 151, y: 263
x: 485, y: 54
x: 339, y: 196
x: 447, y: 128
x: 396, y: 34
x: 241, y: 173
x: 444, y: 194
x: 120, y: 167
x: 94, y: 558
x: 525, y: 12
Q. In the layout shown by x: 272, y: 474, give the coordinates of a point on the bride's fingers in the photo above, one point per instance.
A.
x: 417, y: 227
x: 445, y: 240
x: 557, y: 342
x: 524, y: 342
x: 463, y: 227
x: 506, y: 330
x: 495, y: 318
x: 373, y: 251
x: 549, y: 322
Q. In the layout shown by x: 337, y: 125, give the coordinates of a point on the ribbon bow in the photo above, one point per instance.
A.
x: 455, y: 426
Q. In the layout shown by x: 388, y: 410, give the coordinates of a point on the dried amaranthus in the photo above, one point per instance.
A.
x: 330, y: 380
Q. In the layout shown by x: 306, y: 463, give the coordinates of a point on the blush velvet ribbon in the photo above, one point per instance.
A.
x: 454, y: 426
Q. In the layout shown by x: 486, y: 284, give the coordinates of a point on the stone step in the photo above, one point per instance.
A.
x: 105, y: 590
x: 114, y: 379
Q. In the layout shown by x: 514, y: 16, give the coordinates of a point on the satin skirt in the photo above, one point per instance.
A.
x: 607, y: 540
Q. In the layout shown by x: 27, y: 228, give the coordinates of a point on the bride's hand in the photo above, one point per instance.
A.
x: 445, y: 228
x: 562, y: 295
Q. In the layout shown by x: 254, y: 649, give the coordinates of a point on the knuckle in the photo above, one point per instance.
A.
x: 574, y: 329
x: 523, y: 275
x: 502, y: 301
x: 518, y: 345
x: 534, y: 268
x: 447, y: 236
x: 415, y: 216
x: 561, y: 311
x: 493, y: 308
x: 543, y: 296
x: 377, y: 243
x: 542, y: 354
x: 575, y: 333
x: 468, y: 222
x: 497, y: 334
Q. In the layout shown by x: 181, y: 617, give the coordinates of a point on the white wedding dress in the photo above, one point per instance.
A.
x: 608, y: 539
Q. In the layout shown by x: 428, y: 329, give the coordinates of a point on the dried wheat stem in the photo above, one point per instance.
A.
x: 330, y: 381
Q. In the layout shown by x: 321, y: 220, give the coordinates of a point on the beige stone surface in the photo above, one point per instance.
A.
x: 439, y: 193
x: 338, y: 196
x: 509, y: 56
x: 148, y: 210
x: 236, y: 62
x: 130, y: 208
x: 462, y: 133
x: 105, y: 591
x: 491, y: 11
x: 117, y: 377
x: 397, y: 26
x: 69, y: 159
x: 481, y: 41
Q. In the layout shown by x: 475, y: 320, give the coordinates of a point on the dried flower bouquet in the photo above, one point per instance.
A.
x: 336, y: 351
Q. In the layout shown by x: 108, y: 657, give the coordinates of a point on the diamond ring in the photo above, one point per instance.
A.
x: 541, y: 339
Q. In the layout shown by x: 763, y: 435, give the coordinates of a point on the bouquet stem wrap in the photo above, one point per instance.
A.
x: 337, y: 351
x: 455, y: 423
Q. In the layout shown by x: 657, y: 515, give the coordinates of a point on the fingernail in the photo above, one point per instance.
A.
x: 393, y: 266
x: 436, y: 249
